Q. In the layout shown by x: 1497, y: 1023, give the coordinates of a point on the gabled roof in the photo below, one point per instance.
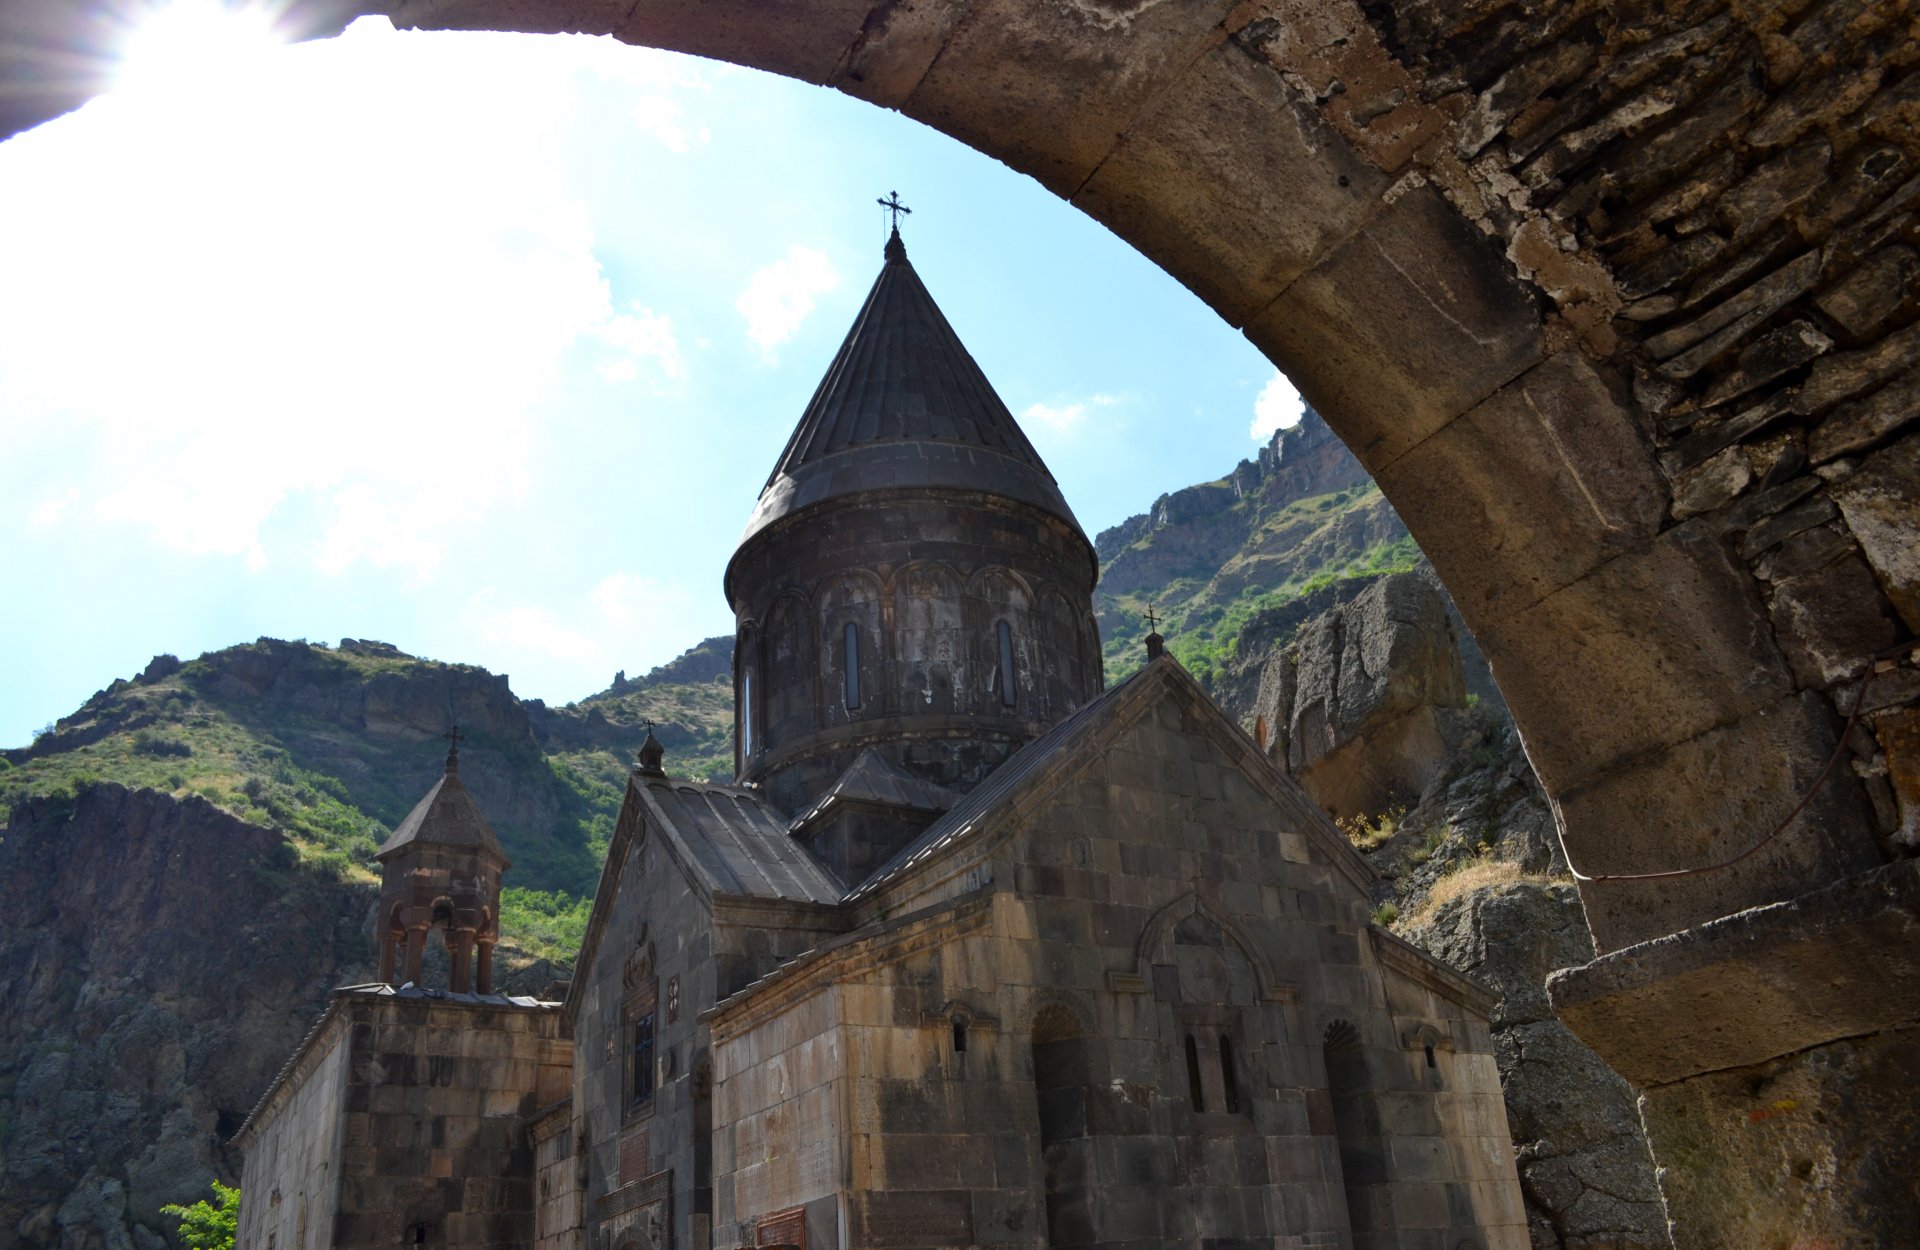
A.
x: 904, y: 405
x: 447, y: 816
x: 1087, y: 731
x: 873, y: 778
x: 734, y: 841
x: 728, y: 840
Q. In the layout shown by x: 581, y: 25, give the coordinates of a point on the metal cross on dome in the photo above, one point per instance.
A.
x: 1153, y: 622
x: 893, y: 205
x: 455, y: 737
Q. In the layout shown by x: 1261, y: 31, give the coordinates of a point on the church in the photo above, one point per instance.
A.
x: 975, y: 950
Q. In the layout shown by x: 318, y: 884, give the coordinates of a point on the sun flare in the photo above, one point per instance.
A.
x: 194, y: 47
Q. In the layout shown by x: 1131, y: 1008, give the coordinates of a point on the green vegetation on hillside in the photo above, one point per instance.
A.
x: 1296, y: 550
x: 279, y: 734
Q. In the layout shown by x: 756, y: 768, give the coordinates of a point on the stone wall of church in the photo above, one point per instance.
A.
x: 292, y: 1162
x: 667, y: 954
x: 1152, y: 1014
x: 888, y: 634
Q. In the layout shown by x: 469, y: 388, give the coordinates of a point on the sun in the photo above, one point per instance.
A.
x: 195, y: 47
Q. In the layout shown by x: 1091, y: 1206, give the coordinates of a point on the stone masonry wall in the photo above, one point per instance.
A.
x: 437, y: 1098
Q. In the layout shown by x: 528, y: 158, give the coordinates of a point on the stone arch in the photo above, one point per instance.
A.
x: 1522, y: 346
x: 1476, y: 334
x: 1156, y: 939
x: 931, y: 650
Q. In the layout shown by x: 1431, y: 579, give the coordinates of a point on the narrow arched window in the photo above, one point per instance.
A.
x: 1006, y: 663
x: 746, y: 716
x: 1194, y: 1092
x: 642, y: 1078
x: 1229, y: 1086
x: 853, y: 666
x: 959, y: 1034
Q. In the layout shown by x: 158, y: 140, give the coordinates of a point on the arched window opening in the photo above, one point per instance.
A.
x: 642, y: 1076
x: 1005, y: 632
x: 1362, y: 1152
x: 746, y: 716
x: 1228, y: 1085
x: 1430, y: 1062
x: 417, y: 1235
x: 1060, y: 1078
x: 703, y: 1138
x: 959, y: 1034
x: 852, y: 664
x: 1195, y: 1093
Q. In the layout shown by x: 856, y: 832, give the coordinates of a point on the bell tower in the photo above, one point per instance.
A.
x: 912, y: 583
x: 441, y: 872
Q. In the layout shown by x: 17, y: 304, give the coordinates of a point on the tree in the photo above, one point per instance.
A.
x: 205, y: 1225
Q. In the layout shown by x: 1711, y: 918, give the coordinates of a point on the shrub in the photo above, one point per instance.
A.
x: 1369, y: 832
x: 1429, y: 845
x: 206, y: 1226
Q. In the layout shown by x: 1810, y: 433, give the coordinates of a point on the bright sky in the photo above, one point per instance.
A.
x: 483, y: 345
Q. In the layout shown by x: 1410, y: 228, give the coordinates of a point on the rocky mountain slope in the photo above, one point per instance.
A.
x: 186, y: 864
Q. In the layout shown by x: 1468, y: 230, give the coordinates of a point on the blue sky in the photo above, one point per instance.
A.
x: 483, y: 345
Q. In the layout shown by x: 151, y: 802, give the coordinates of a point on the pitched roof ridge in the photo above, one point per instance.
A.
x: 446, y: 815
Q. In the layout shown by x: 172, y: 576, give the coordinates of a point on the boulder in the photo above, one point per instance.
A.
x: 1354, y: 703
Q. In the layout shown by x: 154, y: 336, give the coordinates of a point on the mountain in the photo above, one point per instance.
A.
x: 1300, y: 517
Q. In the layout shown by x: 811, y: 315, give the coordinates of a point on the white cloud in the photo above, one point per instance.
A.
x: 1277, y: 407
x: 642, y: 338
x: 1064, y: 417
x: 540, y: 631
x: 779, y: 296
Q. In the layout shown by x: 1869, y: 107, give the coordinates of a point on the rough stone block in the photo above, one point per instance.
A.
x: 1654, y: 815
x: 1830, y: 619
x: 1880, y: 501
x: 1412, y: 321
x: 1531, y: 489
x: 1748, y: 987
x: 1753, y: 1150
x: 1281, y: 188
x: 1035, y: 83
x: 1652, y: 648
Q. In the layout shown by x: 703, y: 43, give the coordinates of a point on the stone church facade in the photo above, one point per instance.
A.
x: 975, y: 951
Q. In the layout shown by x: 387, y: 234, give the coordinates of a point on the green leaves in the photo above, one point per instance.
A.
x: 209, y: 1225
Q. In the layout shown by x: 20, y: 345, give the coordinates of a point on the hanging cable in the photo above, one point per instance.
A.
x: 1839, y: 748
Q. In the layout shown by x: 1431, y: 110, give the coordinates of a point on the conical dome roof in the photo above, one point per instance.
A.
x: 902, y: 406
x: 446, y: 816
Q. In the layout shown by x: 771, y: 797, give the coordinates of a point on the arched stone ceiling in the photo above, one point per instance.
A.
x: 1615, y: 300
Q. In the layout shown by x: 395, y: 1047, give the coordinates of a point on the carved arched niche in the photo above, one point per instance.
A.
x: 1217, y: 1000
x: 853, y: 650
x: 1004, y: 663
x: 786, y: 645
x: 930, y: 637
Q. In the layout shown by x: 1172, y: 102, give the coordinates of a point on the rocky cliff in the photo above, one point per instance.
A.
x: 160, y: 960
